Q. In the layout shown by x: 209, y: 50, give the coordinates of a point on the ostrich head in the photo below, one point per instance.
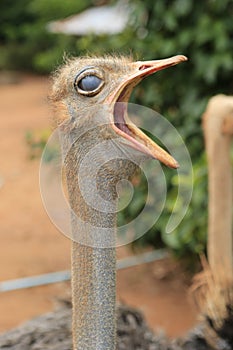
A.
x: 85, y: 85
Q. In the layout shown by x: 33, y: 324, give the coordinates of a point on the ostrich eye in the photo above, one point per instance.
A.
x: 88, y: 83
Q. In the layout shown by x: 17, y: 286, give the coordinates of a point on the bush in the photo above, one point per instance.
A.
x: 26, y: 43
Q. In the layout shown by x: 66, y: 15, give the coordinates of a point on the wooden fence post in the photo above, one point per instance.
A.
x: 218, y: 130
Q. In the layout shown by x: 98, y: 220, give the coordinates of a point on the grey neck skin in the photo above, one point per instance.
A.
x: 93, y: 292
x: 94, y: 159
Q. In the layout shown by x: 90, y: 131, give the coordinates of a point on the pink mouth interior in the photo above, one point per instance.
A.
x: 119, y: 112
x: 120, y: 108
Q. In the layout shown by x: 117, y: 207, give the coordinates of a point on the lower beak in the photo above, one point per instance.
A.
x: 127, y: 129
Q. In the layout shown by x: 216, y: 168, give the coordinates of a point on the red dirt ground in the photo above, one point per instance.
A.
x: 31, y: 245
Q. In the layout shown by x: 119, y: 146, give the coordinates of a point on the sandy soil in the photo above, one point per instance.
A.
x: 31, y: 245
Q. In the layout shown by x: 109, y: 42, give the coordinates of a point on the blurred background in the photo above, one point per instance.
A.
x: 35, y: 37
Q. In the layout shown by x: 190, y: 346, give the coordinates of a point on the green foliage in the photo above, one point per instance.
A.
x: 54, y: 9
x: 190, y: 235
x: 201, y: 30
x: 25, y: 43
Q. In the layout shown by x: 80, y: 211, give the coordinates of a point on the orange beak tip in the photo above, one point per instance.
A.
x: 173, y: 165
x: 183, y: 58
x: 177, y: 165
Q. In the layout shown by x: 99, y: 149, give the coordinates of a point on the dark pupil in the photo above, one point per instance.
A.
x: 89, y: 83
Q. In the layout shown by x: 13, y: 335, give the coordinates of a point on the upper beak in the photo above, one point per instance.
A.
x: 150, y: 67
x: 126, y: 128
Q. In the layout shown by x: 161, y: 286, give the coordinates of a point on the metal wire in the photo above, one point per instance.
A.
x: 62, y: 276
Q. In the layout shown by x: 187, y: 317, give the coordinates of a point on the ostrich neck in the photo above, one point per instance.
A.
x: 93, y: 294
x: 93, y: 226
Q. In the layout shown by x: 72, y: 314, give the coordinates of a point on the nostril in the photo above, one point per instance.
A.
x: 144, y: 66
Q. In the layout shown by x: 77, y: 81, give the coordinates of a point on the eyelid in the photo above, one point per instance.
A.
x: 87, y: 72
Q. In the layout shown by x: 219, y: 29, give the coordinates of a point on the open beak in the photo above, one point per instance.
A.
x: 123, y: 126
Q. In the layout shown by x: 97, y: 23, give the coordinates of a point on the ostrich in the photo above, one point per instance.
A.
x: 80, y: 90
x: 90, y: 94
